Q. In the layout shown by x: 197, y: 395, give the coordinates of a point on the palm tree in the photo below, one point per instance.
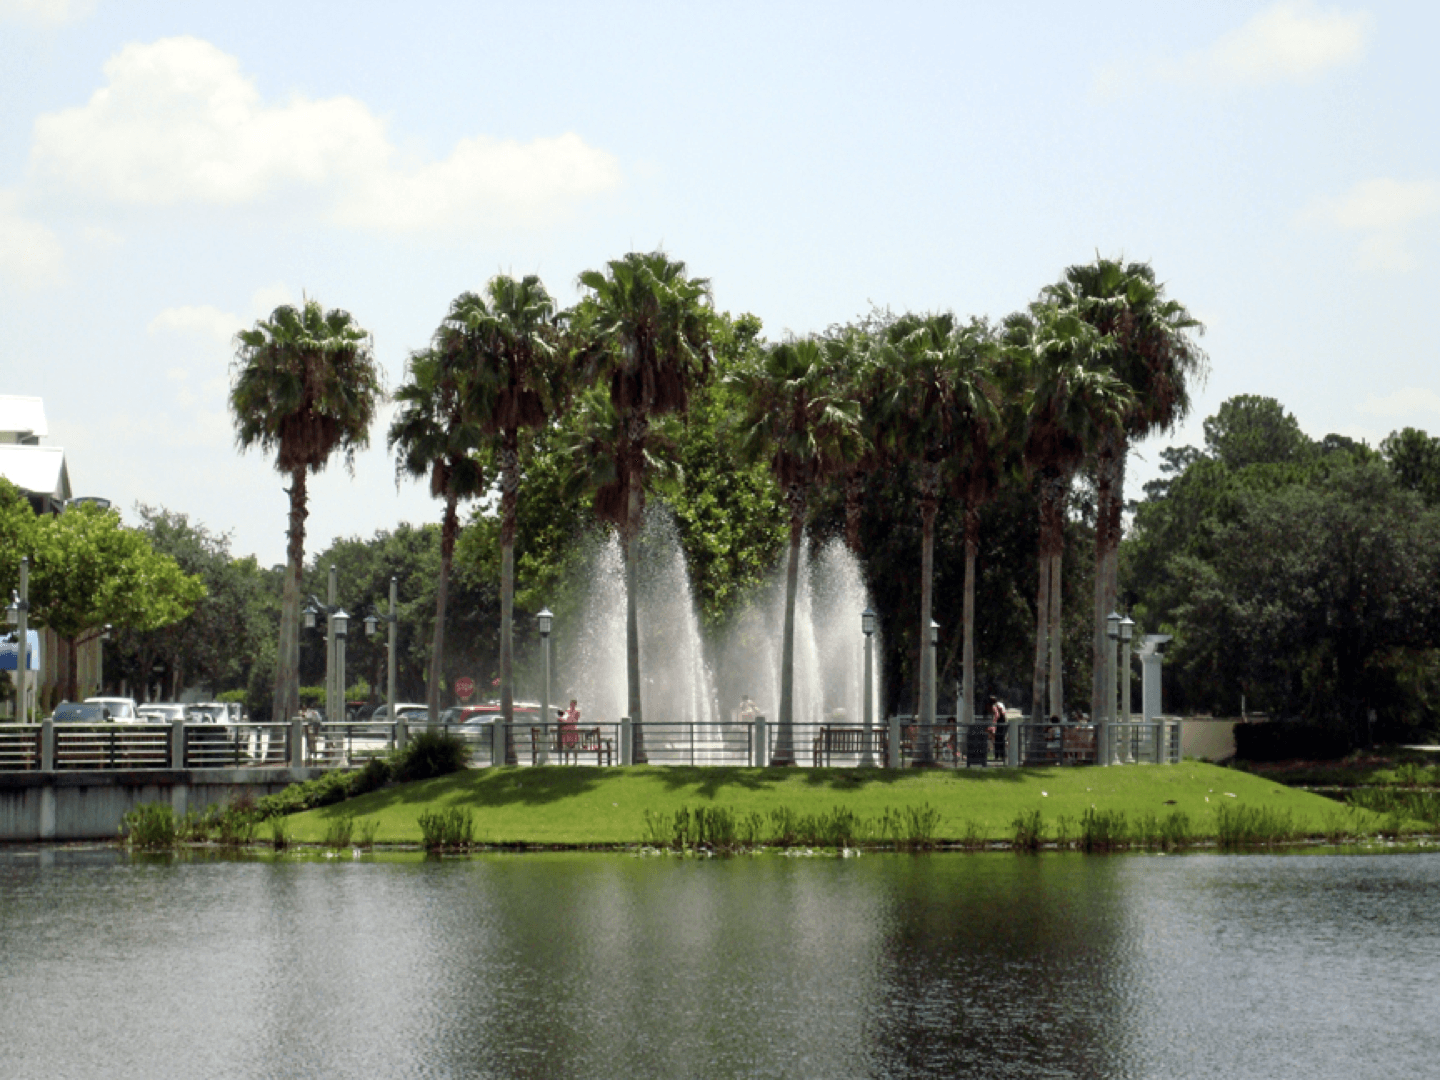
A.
x: 937, y: 416
x: 798, y: 415
x: 645, y: 329
x: 508, y: 343
x: 305, y: 385
x: 1070, y: 397
x: 433, y: 433
x: 1155, y: 355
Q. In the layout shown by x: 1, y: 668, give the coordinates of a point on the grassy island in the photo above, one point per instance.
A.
x: 580, y: 807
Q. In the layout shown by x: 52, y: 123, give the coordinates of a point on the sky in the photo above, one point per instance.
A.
x: 170, y: 172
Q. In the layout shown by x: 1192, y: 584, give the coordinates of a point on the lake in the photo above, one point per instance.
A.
x: 612, y: 965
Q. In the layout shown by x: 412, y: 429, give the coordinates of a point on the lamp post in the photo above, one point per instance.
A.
x: 340, y: 624
x: 867, y: 709
x: 544, y: 620
x: 372, y: 625
x: 19, y: 617
x: 1127, y: 631
x: 1106, y: 751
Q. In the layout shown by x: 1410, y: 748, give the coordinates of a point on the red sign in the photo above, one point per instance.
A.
x: 464, y: 687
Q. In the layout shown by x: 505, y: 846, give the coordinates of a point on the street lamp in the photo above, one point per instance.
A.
x: 371, y: 625
x: 1127, y: 632
x: 544, y: 620
x: 867, y: 627
x: 1108, y: 751
x: 18, y: 616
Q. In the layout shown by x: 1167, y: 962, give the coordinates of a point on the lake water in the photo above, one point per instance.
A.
x: 601, y: 965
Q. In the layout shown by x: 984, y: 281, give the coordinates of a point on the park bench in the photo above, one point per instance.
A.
x: 1077, y: 746
x: 849, y: 740
x: 567, y: 743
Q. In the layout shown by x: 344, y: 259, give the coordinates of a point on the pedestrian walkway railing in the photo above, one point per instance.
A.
x: 898, y: 742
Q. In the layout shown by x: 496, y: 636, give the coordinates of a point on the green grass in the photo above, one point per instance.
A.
x: 582, y: 807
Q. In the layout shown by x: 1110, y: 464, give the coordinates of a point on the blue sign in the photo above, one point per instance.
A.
x: 8, y: 650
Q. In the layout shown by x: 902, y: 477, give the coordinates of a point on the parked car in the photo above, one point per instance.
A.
x: 382, y: 714
x: 214, y: 712
x: 123, y: 710
x: 162, y: 712
x: 80, y: 712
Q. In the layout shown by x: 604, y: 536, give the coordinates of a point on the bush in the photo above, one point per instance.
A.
x: 427, y: 755
x: 453, y: 828
x: 149, y: 826
x: 1102, y: 830
x: 1029, y: 831
x: 1282, y: 741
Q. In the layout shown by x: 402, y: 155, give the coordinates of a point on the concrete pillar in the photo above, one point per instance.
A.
x: 47, y: 745
x: 627, y: 741
x: 177, y: 744
x: 297, y: 743
x: 1152, y: 662
x: 760, y: 737
x: 892, y: 756
x: 1012, y: 744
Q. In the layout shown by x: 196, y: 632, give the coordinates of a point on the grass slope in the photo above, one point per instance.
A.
x: 579, y: 806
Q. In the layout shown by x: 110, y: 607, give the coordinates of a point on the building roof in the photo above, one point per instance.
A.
x: 22, y: 416
x: 37, y: 469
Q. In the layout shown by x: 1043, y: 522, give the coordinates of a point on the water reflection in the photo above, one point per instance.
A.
x: 590, y: 965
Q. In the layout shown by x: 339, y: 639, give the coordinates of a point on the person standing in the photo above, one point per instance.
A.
x: 570, y: 729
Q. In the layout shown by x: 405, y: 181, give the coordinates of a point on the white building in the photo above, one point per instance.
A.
x: 42, y: 475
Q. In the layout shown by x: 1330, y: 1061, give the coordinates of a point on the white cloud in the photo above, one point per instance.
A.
x: 1402, y: 403
x: 179, y: 122
x: 52, y: 12
x: 30, y: 254
x: 204, y: 320
x: 1383, y: 212
x: 1289, y: 42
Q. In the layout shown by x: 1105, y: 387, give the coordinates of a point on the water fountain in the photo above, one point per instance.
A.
x: 691, y: 693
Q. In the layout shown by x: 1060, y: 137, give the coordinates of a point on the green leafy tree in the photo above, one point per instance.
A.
x: 1071, y: 397
x: 1414, y: 458
x: 434, y: 433
x: 305, y: 386
x: 936, y: 414
x: 1252, y: 430
x: 645, y: 328
x: 216, y: 642
x: 1154, y: 353
x: 798, y: 418
x: 88, y: 570
x: 508, y: 344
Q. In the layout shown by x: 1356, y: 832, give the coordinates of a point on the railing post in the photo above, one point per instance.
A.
x: 761, y: 739
x: 297, y: 742
x: 1012, y: 743
x: 47, y: 745
x: 892, y: 754
x: 627, y: 742
x: 402, y: 733
x: 177, y: 744
x: 1159, y: 754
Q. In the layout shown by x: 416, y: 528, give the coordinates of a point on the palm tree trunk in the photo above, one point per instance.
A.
x: 784, y: 752
x: 928, y: 505
x: 1112, y: 562
x: 509, y: 499
x: 1057, y: 671
x: 1099, y: 652
x: 967, y: 661
x: 636, y: 431
x: 854, y: 490
x: 287, y: 655
x: 448, y: 529
x: 1042, y: 620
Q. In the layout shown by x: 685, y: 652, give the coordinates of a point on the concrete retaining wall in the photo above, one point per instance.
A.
x: 90, y: 806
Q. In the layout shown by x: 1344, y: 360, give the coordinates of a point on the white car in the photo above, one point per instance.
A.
x: 123, y: 710
x: 162, y: 712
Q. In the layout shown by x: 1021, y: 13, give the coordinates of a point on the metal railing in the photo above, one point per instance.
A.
x: 944, y: 744
x: 19, y: 747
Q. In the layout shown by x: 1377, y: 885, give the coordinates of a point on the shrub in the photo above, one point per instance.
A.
x: 1029, y: 831
x: 1282, y: 741
x: 912, y: 829
x: 149, y: 826
x: 1102, y: 830
x: 279, y: 834
x: 339, y: 831
x: 1249, y: 826
x: 429, y: 754
x: 453, y: 828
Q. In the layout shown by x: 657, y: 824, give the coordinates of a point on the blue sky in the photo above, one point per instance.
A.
x: 169, y: 172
